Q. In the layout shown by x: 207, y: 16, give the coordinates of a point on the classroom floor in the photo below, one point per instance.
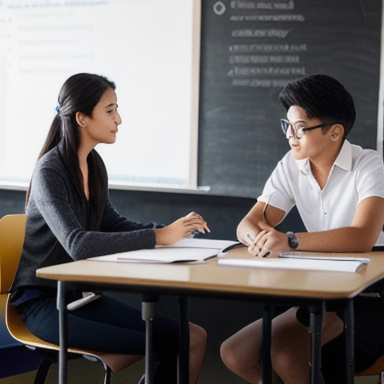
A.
x: 82, y: 371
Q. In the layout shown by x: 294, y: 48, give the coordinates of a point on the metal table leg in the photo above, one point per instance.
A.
x: 315, y: 328
x: 183, y: 376
x: 349, y: 329
x: 149, y: 308
x: 63, y: 331
x: 266, y: 364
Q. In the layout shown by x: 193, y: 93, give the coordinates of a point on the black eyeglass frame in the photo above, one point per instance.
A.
x: 285, y: 124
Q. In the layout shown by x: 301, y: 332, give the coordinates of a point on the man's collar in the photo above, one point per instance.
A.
x: 344, y: 159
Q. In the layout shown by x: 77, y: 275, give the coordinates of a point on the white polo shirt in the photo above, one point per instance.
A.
x: 356, y: 174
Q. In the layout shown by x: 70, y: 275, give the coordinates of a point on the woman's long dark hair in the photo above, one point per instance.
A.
x: 80, y: 93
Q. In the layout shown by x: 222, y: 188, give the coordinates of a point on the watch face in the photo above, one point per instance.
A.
x: 292, y: 240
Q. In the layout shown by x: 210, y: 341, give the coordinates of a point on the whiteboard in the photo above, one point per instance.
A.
x: 149, y: 48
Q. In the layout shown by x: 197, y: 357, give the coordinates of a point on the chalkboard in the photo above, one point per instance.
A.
x: 249, y: 50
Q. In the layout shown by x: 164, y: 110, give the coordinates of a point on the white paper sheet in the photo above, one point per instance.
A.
x: 302, y: 264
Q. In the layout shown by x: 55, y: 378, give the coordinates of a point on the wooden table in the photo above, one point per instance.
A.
x: 268, y: 286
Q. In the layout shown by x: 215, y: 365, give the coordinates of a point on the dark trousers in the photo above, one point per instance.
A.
x: 107, y: 325
x: 368, y: 341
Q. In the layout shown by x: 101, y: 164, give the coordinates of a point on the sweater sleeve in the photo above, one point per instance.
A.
x: 114, y: 222
x: 56, y: 202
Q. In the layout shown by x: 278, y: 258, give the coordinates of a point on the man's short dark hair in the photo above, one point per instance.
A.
x: 322, y: 97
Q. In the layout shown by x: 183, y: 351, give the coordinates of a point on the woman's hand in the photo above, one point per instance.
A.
x: 180, y: 229
x: 267, y: 240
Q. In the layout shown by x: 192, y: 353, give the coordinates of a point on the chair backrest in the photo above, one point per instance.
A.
x: 12, y: 231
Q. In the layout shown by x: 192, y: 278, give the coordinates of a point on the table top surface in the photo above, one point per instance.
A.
x: 210, y: 277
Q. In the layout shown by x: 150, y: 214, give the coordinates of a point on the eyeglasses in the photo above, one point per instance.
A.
x: 292, y: 129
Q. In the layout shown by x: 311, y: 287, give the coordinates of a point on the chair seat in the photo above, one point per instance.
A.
x: 6, y: 340
x: 21, y: 333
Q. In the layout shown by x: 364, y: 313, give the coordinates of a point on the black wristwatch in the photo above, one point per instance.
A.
x: 292, y: 240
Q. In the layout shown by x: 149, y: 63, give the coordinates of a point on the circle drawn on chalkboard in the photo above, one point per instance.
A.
x: 219, y: 8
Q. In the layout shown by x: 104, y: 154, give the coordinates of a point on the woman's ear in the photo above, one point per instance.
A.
x: 81, y: 119
x: 336, y: 132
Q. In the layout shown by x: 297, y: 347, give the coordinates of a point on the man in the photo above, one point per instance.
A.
x: 338, y: 189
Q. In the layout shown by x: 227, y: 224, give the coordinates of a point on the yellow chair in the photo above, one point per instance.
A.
x: 376, y: 369
x: 12, y: 230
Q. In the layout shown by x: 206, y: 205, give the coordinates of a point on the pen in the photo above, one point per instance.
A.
x: 250, y: 238
x: 232, y: 246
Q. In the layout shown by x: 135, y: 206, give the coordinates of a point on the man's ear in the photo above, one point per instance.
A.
x: 81, y: 119
x: 336, y: 132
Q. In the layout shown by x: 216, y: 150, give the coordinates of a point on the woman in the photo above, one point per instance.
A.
x: 70, y: 217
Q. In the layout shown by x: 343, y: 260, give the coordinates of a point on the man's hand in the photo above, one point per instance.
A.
x: 268, y: 240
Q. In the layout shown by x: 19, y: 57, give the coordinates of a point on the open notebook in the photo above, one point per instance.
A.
x: 184, y: 251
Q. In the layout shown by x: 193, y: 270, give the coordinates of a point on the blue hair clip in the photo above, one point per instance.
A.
x: 57, y: 108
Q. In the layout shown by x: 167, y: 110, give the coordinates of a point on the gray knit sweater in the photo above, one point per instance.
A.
x: 58, y: 228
